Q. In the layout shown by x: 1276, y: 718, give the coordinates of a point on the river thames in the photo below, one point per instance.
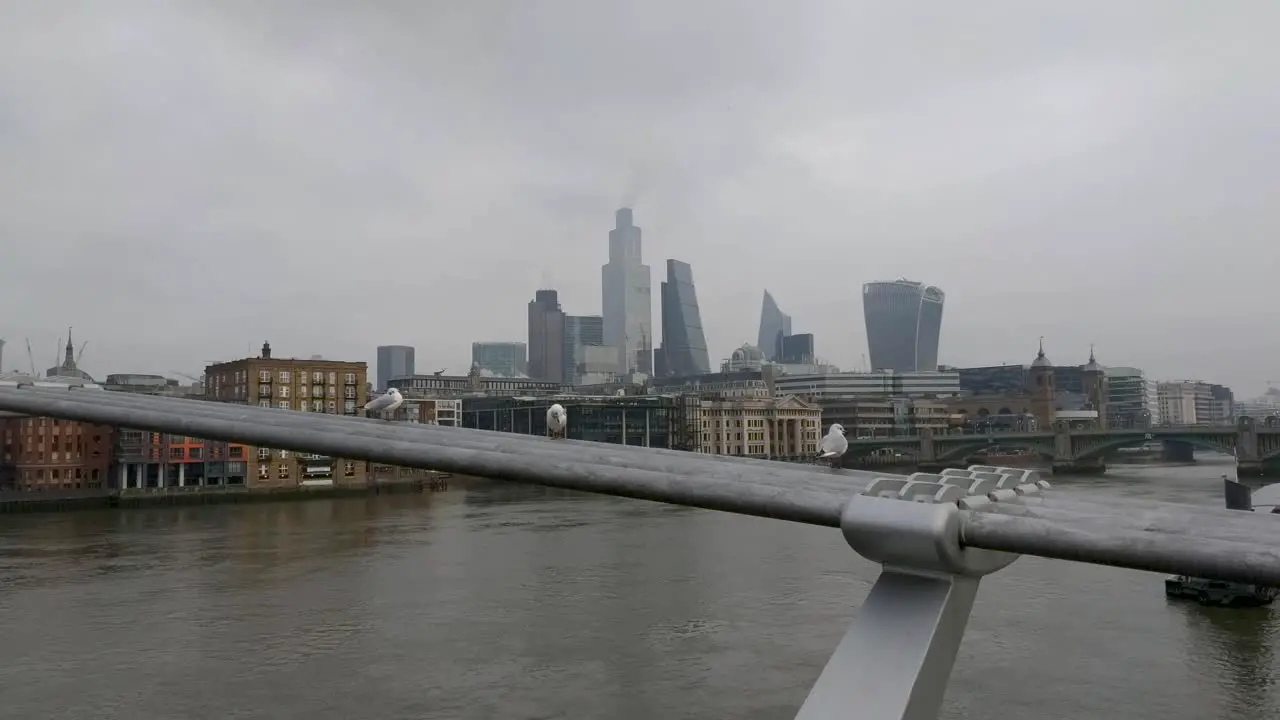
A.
x: 498, y: 601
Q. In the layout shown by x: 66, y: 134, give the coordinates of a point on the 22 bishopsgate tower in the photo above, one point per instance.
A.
x: 626, y: 298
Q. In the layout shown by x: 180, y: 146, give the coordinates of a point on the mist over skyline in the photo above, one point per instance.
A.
x: 181, y: 182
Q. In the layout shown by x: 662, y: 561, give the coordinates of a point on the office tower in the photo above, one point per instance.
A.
x: 580, y: 331
x: 774, y: 325
x: 546, y: 337
x: 625, y: 295
x: 904, y: 321
x: 393, y: 361
x: 684, y: 346
x: 508, y: 359
x: 797, y: 349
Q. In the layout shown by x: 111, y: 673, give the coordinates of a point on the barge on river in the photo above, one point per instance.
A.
x: 1227, y: 594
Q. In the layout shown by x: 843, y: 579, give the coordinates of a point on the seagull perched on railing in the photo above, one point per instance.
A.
x: 386, y: 403
x: 834, y: 445
x: 557, y: 421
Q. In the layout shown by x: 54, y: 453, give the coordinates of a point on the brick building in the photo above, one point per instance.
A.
x: 45, y: 454
x: 312, y: 385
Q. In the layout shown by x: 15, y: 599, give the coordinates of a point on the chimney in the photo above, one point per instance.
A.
x: 266, y: 351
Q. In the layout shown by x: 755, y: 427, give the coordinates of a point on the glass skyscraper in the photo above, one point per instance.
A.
x: 507, y: 359
x: 625, y: 288
x: 580, y: 331
x: 904, y: 322
x: 393, y: 361
x: 774, y: 326
x: 684, y: 345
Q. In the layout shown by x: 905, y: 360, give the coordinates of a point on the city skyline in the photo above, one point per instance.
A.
x: 1075, y: 186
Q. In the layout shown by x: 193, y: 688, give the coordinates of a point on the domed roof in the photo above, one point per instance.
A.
x: 1092, y: 366
x: 1041, y: 360
x: 748, y: 352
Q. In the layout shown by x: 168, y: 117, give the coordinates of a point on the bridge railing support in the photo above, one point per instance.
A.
x: 895, y: 661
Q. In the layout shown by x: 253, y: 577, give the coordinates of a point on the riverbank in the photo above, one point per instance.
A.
x: 67, y: 500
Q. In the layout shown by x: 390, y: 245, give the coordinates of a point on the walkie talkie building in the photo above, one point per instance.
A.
x: 904, y: 321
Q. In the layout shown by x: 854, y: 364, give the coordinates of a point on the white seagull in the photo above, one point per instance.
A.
x: 385, y: 404
x: 834, y: 444
x: 557, y: 420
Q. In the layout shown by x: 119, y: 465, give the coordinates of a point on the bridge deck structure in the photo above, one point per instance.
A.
x: 1255, y: 447
x: 934, y: 535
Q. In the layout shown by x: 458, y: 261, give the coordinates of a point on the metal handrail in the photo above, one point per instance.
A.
x: 934, y: 535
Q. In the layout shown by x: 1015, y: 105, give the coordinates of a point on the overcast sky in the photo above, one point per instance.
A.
x: 183, y: 180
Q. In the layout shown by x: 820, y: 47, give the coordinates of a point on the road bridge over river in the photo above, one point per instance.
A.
x: 935, y: 536
x: 1255, y: 446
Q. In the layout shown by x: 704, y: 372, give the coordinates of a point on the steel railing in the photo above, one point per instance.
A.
x: 934, y: 535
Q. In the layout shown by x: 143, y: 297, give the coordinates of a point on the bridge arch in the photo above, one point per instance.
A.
x: 865, y: 447
x: 960, y: 451
x: 1200, y: 443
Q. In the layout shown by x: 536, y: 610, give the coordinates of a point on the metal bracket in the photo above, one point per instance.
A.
x: 896, y: 659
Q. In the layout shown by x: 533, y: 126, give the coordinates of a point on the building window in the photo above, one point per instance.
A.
x: 264, y: 453
x: 349, y: 378
x: 264, y: 390
x: 264, y: 403
x: 284, y: 391
x: 284, y: 376
x: 350, y: 392
x: 283, y: 404
x: 317, y: 377
x: 317, y: 391
x: 283, y: 471
x: 317, y: 405
x: 264, y: 471
x: 264, y: 376
x: 349, y: 406
x: 195, y: 453
x: 348, y: 469
x: 333, y: 391
x: 175, y: 453
x: 333, y: 378
x: 235, y: 451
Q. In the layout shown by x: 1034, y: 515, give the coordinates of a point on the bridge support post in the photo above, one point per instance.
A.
x: 1082, y: 466
x: 896, y: 659
x: 1179, y: 452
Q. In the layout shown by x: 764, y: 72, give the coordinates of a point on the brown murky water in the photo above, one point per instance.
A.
x: 501, y: 601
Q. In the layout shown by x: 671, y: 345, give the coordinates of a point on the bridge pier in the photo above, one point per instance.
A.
x: 1179, y: 452
x: 1083, y: 466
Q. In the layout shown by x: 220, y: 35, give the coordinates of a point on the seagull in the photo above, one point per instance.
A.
x: 834, y: 445
x: 557, y: 420
x: 386, y: 404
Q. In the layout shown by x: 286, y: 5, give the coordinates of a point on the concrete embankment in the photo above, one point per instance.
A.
x: 62, y: 500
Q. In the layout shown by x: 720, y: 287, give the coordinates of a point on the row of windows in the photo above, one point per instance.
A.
x: 348, y: 406
x: 317, y: 376
x: 317, y: 391
x: 94, y: 474
x: 283, y: 470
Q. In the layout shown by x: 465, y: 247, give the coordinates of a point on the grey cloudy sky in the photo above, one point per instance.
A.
x: 181, y: 181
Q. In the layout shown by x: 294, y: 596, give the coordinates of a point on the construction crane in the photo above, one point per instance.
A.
x: 192, y: 378
x: 31, y: 358
x: 80, y: 354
